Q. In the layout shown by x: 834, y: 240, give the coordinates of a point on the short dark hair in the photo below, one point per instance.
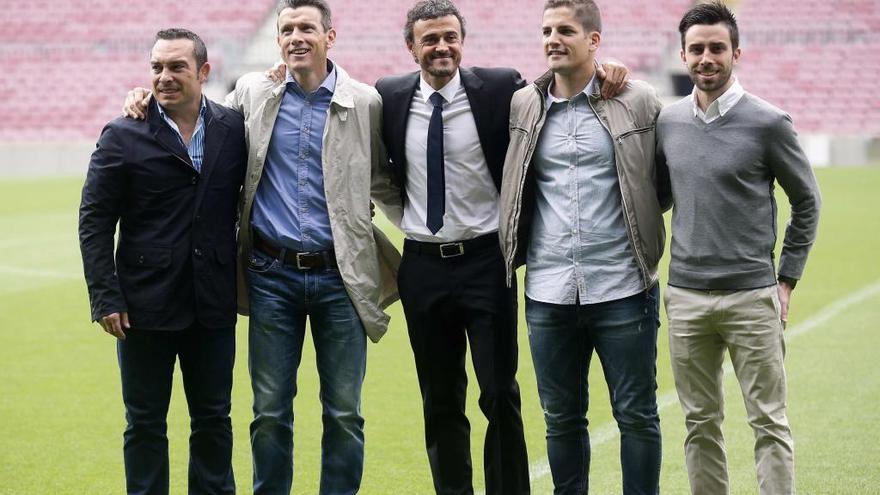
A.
x: 710, y: 13
x: 200, y: 52
x: 430, y: 9
x: 321, y: 5
x: 586, y: 11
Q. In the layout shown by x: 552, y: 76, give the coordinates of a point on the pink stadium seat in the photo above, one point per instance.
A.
x: 88, y: 52
x: 65, y: 74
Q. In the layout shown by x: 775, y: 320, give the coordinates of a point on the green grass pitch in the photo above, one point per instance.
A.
x: 61, y: 414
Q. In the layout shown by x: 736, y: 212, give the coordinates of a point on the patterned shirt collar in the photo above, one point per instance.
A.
x: 196, y: 147
x: 174, y: 124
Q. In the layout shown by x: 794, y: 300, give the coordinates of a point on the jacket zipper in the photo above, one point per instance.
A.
x: 640, y: 130
x: 518, y: 200
x: 629, y: 228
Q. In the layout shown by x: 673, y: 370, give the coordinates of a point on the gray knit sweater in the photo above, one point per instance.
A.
x: 722, y: 177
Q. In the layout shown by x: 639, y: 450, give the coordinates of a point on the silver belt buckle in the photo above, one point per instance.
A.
x: 458, y: 249
x: 299, y: 258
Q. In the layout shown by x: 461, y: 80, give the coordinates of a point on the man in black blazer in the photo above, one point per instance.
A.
x: 172, y: 183
x: 446, y: 131
x: 451, y: 279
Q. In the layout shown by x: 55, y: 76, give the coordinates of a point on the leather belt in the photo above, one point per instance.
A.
x: 452, y: 249
x: 301, y: 260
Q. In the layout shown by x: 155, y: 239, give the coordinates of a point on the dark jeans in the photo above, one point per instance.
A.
x: 624, y: 335
x: 281, y: 298
x: 449, y: 302
x: 146, y: 362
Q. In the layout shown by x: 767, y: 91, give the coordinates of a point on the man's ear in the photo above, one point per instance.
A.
x: 331, y: 38
x: 409, y: 48
x: 203, y: 72
x: 595, y: 39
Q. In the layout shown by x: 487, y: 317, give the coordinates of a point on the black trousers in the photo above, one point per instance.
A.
x: 449, y: 302
x: 146, y: 362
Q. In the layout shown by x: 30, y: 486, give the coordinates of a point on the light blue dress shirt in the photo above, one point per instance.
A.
x: 290, y: 208
x: 196, y: 147
x: 579, y: 250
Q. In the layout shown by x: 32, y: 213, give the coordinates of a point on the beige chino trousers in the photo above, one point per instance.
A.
x: 703, y: 324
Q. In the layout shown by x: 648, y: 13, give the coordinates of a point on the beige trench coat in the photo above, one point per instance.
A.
x: 355, y: 170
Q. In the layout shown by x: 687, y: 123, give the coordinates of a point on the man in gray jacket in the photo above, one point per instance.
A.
x: 724, y: 149
x: 579, y: 206
x: 315, y: 159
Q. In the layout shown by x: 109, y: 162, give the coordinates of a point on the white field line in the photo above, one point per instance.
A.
x: 607, y: 432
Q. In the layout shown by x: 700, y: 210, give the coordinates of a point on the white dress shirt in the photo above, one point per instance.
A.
x: 471, y: 196
x: 721, y: 105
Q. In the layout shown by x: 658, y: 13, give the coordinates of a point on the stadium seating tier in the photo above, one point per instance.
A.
x: 67, y: 66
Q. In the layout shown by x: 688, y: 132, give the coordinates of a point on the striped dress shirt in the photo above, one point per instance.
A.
x: 196, y: 146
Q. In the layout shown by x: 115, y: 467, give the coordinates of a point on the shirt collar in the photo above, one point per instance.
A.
x: 167, y: 118
x: 587, y: 91
x: 447, y: 92
x: 722, y: 104
x: 328, y: 84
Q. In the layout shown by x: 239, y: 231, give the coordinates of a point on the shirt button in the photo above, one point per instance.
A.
x: 194, y: 180
x: 197, y: 252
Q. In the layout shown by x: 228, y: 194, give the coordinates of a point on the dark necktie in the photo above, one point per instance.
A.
x: 436, y: 175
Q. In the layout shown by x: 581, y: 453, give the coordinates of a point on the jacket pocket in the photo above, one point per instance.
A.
x: 147, y: 257
x: 640, y: 130
x: 145, y: 276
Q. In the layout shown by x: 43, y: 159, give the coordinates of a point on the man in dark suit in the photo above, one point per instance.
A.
x: 172, y: 183
x: 446, y: 131
x: 445, y: 128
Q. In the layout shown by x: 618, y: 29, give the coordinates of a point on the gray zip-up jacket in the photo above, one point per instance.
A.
x: 355, y: 170
x: 630, y: 119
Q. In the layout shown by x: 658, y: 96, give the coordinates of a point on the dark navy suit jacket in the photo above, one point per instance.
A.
x: 174, y: 262
x: 489, y: 91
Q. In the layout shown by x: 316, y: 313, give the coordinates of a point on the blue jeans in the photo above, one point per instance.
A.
x: 281, y: 297
x: 624, y: 335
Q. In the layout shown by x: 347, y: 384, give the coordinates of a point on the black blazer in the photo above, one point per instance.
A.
x: 175, y: 258
x: 489, y: 92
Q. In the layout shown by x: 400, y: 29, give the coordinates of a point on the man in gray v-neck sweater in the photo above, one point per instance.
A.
x: 724, y: 150
x: 722, y: 175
